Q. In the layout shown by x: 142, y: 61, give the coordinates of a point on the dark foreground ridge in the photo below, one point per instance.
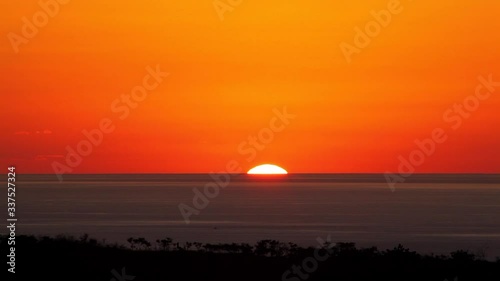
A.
x: 67, y: 258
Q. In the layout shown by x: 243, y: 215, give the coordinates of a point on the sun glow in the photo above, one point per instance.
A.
x: 267, y: 169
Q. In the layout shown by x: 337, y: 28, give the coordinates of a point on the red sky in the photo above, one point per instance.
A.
x: 226, y: 77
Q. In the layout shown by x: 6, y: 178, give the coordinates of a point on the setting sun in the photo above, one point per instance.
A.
x: 267, y: 169
x: 130, y: 125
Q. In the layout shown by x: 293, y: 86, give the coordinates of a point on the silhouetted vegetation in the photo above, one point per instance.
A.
x: 84, y: 258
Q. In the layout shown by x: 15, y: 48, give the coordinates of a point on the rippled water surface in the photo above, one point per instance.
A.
x: 428, y: 213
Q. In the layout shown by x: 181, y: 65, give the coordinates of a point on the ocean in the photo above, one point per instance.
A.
x: 427, y: 213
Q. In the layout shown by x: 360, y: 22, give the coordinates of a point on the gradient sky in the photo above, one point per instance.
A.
x: 226, y: 77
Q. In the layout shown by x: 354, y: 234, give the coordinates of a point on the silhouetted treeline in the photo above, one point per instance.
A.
x: 84, y: 258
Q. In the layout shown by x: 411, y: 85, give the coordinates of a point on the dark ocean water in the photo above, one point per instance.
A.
x: 427, y: 213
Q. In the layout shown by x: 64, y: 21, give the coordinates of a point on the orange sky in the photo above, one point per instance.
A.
x: 226, y: 77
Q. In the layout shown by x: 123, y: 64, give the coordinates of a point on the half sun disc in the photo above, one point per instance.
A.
x: 267, y: 169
